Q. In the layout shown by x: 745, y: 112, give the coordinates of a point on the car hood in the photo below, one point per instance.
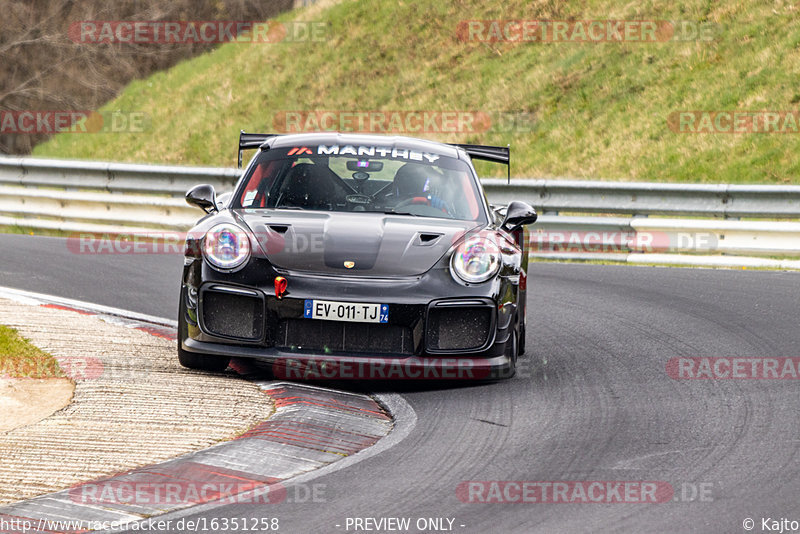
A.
x: 367, y: 244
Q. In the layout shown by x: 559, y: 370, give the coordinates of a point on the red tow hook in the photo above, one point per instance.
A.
x: 280, y: 286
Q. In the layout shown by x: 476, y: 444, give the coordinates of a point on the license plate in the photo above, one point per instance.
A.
x: 358, y: 312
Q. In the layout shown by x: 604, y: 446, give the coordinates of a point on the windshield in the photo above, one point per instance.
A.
x: 389, y: 180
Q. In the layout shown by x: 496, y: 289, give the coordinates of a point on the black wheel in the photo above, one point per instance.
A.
x: 511, y: 351
x: 192, y: 360
x: 521, y: 341
x: 203, y: 362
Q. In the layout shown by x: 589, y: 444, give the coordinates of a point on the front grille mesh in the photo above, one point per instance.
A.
x: 341, y: 336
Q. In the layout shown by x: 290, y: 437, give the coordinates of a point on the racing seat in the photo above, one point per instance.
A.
x: 309, y: 186
x: 410, y: 181
x: 412, y: 185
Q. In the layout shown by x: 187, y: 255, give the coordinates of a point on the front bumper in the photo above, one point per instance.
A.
x: 319, y: 366
x: 406, y: 347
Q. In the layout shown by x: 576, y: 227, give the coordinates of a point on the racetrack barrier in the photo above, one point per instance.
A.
x: 618, y: 221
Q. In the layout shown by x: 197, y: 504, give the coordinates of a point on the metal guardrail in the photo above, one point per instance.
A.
x: 641, y: 235
x: 639, y: 198
x: 548, y: 196
x: 95, y: 196
x: 88, y: 196
x: 112, y: 177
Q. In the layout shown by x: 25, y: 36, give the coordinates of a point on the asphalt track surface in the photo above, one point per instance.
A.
x: 592, y: 400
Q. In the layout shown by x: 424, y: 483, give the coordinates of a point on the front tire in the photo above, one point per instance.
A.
x: 522, y: 320
x: 193, y: 360
x: 511, y: 352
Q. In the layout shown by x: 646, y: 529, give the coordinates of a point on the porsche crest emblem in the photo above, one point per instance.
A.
x: 349, y: 264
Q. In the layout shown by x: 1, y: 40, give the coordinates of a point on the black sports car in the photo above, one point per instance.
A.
x: 356, y: 256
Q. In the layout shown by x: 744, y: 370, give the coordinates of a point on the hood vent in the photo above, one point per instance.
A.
x: 426, y: 239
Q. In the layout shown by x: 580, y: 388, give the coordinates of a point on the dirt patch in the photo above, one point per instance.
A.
x: 25, y: 401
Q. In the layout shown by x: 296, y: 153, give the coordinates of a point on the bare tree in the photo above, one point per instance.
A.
x: 42, y: 68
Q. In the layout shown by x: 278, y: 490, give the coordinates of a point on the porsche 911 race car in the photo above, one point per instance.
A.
x: 356, y: 256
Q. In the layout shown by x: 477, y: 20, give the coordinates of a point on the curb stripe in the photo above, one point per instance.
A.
x: 358, y: 423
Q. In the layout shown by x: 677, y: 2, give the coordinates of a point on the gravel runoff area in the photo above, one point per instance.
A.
x: 134, y: 405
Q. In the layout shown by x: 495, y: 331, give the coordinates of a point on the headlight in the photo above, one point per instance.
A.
x: 476, y: 260
x: 226, y: 246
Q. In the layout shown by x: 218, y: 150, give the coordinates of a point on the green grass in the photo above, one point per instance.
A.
x: 20, y: 359
x: 600, y: 110
x: 24, y: 230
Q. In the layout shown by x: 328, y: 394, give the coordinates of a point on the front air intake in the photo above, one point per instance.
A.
x: 231, y: 312
x: 457, y: 326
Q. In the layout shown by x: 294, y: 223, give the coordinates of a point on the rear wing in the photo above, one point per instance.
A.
x: 497, y: 154
x: 250, y: 141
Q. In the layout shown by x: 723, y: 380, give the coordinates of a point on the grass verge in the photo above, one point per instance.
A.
x: 20, y: 359
x: 23, y: 230
x: 587, y: 110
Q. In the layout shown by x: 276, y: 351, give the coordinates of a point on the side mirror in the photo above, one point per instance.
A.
x: 203, y: 196
x: 223, y: 199
x: 518, y: 214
